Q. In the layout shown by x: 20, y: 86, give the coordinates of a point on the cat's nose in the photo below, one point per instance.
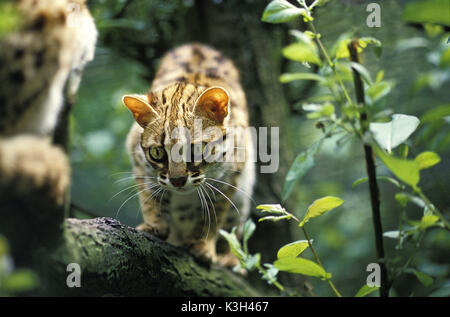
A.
x: 178, y: 181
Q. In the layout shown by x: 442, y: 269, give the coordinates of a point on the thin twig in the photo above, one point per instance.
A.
x: 371, y: 173
x: 316, y: 256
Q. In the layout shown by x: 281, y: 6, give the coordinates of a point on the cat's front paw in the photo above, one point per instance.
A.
x: 159, y: 230
x: 229, y: 260
x: 203, y: 250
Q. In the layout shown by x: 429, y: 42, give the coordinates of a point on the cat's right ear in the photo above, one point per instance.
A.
x: 142, y: 112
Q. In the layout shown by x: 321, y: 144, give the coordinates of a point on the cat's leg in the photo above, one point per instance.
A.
x: 203, y: 238
x: 154, y: 212
x: 33, y: 168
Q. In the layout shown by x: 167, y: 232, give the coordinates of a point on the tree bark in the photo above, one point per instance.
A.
x: 118, y: 260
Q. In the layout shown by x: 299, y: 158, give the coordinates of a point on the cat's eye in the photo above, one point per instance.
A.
x: 157, y: 153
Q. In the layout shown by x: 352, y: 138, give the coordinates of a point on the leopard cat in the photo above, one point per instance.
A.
x: 187, y: 201
x: 43, y: 54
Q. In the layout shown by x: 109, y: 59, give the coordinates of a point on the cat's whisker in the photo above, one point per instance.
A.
x: 133, y: 186
x: 228, y: 184
x: 207, y: 212
x: 133, y: 177
x: 225, y: 196
x: 156, y: 192
x: 212, y: 193
x: 203, y: 209
x: 118, y: 173
x: 212, y: 204
x: 121, y: 191
x: 161, y: 199
x: 128, y: 199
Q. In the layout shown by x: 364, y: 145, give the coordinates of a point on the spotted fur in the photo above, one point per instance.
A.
x: 37, y: 59
x: 193, y: 217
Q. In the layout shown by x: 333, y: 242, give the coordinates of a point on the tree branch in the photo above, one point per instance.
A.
x: 119, y: 260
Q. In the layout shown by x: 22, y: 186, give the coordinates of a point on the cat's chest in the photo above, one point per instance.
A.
x: 187, y: 208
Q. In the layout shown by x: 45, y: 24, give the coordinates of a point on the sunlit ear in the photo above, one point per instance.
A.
x: 213, y: 103
x: 142, y: 112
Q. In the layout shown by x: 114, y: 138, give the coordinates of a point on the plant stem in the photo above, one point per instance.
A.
x: 330, y: 63
x: 324, y: 51
x: 430, y: 205
x: 316, y: 256
x: 275, y: 282
x: 371, y: 173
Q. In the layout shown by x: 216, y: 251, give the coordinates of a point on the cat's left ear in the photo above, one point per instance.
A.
x: 213, y: 104
x: 139, y: 106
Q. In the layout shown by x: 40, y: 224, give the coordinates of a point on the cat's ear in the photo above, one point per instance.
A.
x: 213, y: 104
x: 139, y: 106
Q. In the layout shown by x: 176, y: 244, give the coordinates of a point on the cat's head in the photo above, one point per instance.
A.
x: 184, y: 132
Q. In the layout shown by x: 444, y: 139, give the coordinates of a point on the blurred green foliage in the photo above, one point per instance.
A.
x: 13, y: 281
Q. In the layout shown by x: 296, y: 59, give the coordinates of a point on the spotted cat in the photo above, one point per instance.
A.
x: 194, y: 102
x: 44, y: 53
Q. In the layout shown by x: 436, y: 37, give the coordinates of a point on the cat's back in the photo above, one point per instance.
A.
x: 203, y: 66
x: 51, y: 39
x: 197, y: 64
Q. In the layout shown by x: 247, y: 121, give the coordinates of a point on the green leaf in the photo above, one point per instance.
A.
x: 318, y: 3
x: 4, y: 247
x: 428, y: 221
x: 392, y: 234
x: 304, y: 50
x: 427, y: 159
x: 366, y: 290
x: 424, y: 278
x: 271, y: 208
x: 271, y: 273
x: 274, y: 218
x: 292, y: 249
x: 233, y: 242
x: 405, y: 170
x: 391, y: 134
x: 252, y: 261
x: 21, y: 280
x: 320, y: 206
x: 380, y: 76
x: 317, y: 110
x: 301, y: 165
x: 436, y: 114
x: 280, y: 11
x: 363, y: 72
x: 248, y: 230
x: 404, y: 198
x: 403, y: 150
x: 384, y: 178
x: 379, y: 90
x: 428, y: 11
x: 340, y: 49
x: 301, y: 266
x: 286, y: 78
x: 445, y: 58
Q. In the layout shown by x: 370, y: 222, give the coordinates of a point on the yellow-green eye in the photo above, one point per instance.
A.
x: 157, y: 153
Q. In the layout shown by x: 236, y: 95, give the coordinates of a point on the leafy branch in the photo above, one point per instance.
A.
x: 338, y: 115
x: 287, y: 256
